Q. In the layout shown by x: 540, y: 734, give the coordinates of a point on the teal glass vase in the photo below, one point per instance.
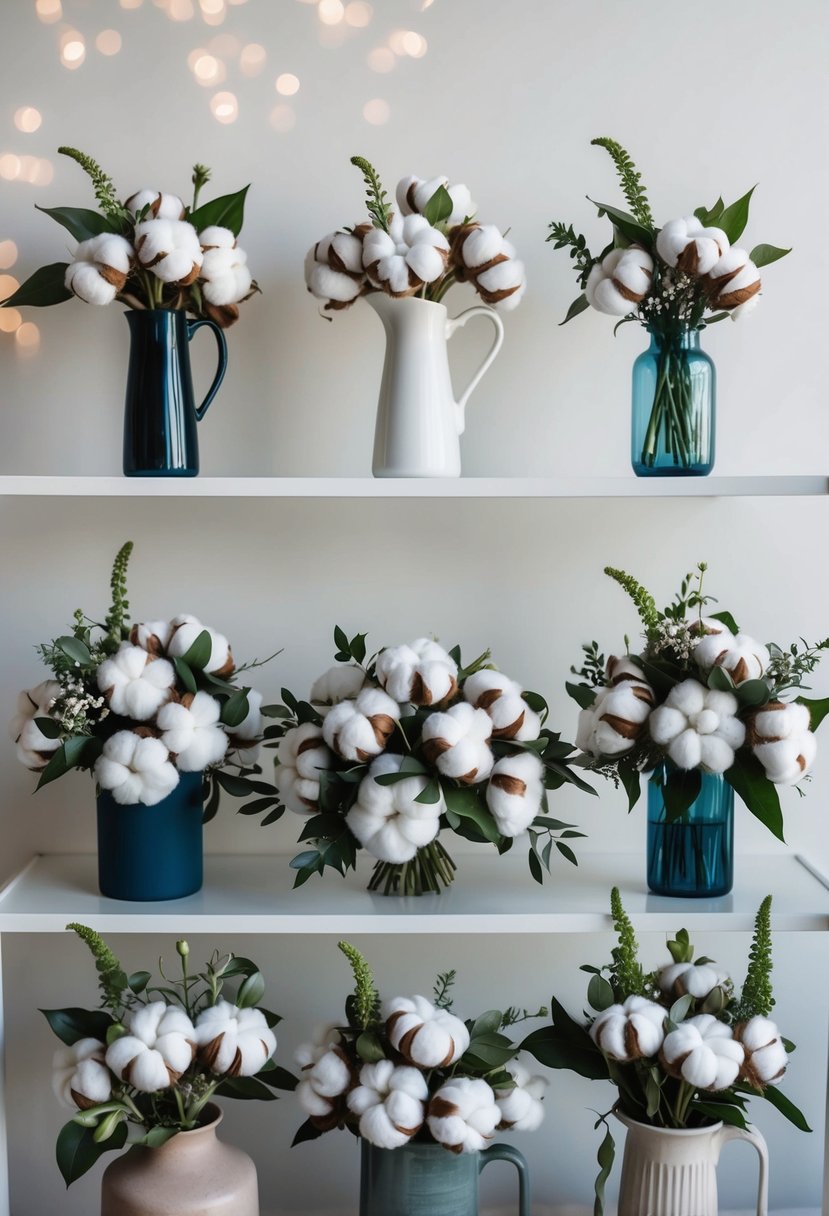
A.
x: 674, y: 408
x: 691, y: 856
x: 426, y: 1179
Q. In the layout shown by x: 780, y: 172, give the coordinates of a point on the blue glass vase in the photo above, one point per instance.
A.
x: 152, y: 852
x: 674, y: 408
x: 161, y: 414
x: 429, y: 1180
x: 692, y: 856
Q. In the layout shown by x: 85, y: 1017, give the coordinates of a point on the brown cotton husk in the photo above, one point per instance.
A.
x: 730, y: 299
x: 224, y: 315
x: 510, y: 785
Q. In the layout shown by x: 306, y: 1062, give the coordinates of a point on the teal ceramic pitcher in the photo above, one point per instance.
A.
x: 427, y: 1180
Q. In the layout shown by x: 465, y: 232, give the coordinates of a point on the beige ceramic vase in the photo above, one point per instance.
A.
x: 193, y: 1173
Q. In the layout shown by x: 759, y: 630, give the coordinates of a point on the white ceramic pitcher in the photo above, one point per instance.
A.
x: 418, y: 419
x: 668, y: 1172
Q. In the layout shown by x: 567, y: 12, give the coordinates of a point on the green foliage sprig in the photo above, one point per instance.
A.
x: 364, y: 1003
x: 118, y: 615
x: 112, y: 978
x: 630, y: 178
x: 626, y: 970
x: 757, y: 996
x: 377, y: 201
x: 643, y: 601
x: 102, y: 183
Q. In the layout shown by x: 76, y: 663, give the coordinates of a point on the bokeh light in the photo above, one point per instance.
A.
x: 8, y: 286
x: 208, y: 70
x: 414, y: 45
x: 330, y: 12
x: 130, y: 3
x: 283, y: 118
x: 287, y: 84
x: 108, y: 42
x: 10, y: 320
x: 27, y: 337
x: 252, y: 59
x: 9, y: 166
x: 224, y: 46
x: 49, y: 11
x: 376, y: 111
x: 27, y: 119
x: 224, y: 107
x: 8, y: 254
x: 358, y: 14
x: 72, y: 49
x: 180, y: 10
x: 213, y: 11
x: 381, y: 59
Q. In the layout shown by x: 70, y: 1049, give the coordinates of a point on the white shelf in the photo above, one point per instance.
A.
x: 490, y: 895
x: 412, y: 487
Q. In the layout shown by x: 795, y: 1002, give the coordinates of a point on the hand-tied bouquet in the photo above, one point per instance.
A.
x: 682, y: 1047
x: 150, y: 251
x: 408, y: 1069
x: 674, y: 280
x: 701, y: 697
x: 139, y: 706
x: 430, y: 241
x: 146, y: 1063
x: 391, y: 749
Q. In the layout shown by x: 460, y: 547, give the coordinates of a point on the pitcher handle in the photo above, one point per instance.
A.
x: 756, y: 1138
x: 458, y: 323
x: 505, y: 1152
x: 192, y: 326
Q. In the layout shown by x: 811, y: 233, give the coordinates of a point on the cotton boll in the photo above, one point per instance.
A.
x: 186, y: 629
x: 620, y: 281
x: 156, y: 1051
x: 686, y: 245
x: 251, y: 727
x: 233, y: 1042
x: 360, y: 729
x: 387, y: 820
x: 80, y: 1078
x: 741, y: 656
x: 421, y: 673
x: 457, y: 742
x: 515, y: 792
x: 463, y: 1115
x: 630, y: 1031
x: 698, y: 727
x: 390, y: 1103
x: 340, y: 683
x: 410, y: 254
x: 502, y: 699
x: 521, y: 1108
x: 152, y: 636
x: 679, y: 979
x: 34, y: 749
x: 300, y: 757
x: 170, y: 249
x: 100, y: 268
x: 703, y: 1051
x: 713, y: 642
x: 786, y: 761
x: 334, y: 267
x: 613, y: 724
x: 191, y: 731
x: 743, y: 287
x: 135, y: 684
x: 216, y: 237
x: 422, y: 1033
x: 766, y: 1058
x: 161, y: 206
x: 225, y: 275
x: 135, y: 769
x: 86, y: 282
x: 481, y: 254
x: 414, y: 193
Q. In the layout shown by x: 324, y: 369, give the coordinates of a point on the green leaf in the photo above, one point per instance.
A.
x: 599, y: 993
x: 748, y: 779
x: 81, y: 222
x: 720, y: 680
x: 752, y: 693
x: 251, y: 991
x: 566, y: 1044
x: 157, y: 1136
x: 49, y: 728
x: 241, y: 787
x: 76, y: 1150
x: 725, y: 618
x: 430, y: 794
x: 487, y: 1023
x: 487, y: 1051
x: 679, y: 1010
x: 198, y: 655
x: 73, y: 1024
x: 785, y: 1106
x: 308, y: 1131
x: 69, y: 755
x: 721, y: 1110
x: 235, y: 709
x: 138, y: 981
x: 46, y: 286
x: 368, y: 1048
x: 468, y: 804
x: 75, y: 650
x: 764, y: 255
x: 706, y: 217
x: 185, y: 674
x: 734, y: 219
x: 605, y: 1158
x: 579, y: 305
x: 439, y: 207
x: 582, y: 694
x: 227, y: 211
x: 680, y: 791
x: 246, y: 1089
x: 817, y: 709
x: 630, y: 228
x: 567, y: 853
x: 277, y: 1077
x: 631, y: 780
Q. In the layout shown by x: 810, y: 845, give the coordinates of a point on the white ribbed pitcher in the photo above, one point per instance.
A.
x: 668, y: 1172
x: 418, y: 419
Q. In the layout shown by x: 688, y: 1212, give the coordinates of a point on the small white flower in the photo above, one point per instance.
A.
x: 301, y: 756
x: 100, y: 268
x: 80, y: 1078
x: 521, y: 1108
x: 697, y: 981
x: 334, y: 268
x: 360, y: 729
x: 135, y: 684
x: 170, y: 249
x: 387, y: 820
x: 191, y: 731
x: 234, y: 1042
x: 161, y: 206
x: 463, y: 1115
x: 782, y: 741
x: 341, y: 682
x: 424, y: 1035
x: 390, y: 1102
x: 135, y: 770
x: 157, y: 1050
x: 503, y: 700
x: 630, y: 1031
x: 456, y: 741
x: 704, y: 1052
x: 765, y: 1056
x: 419, y: 672
x: 620, y: 281
x: 413, y: 194
x: 186, y: 629
x: 688, y: 246
x: 698, y: 727
x: 410, y: 254
x: 515, y: 791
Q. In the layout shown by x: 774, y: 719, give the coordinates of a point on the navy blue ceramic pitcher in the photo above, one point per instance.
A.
x: 160, y: 418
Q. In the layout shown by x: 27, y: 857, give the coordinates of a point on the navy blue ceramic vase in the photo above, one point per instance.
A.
x: 161, y: 415
x: 152, y: 852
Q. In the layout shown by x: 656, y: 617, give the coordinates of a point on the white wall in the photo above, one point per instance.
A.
x: 506, y: 99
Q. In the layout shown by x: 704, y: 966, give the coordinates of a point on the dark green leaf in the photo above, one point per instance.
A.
x: 358, y: 647
x: 81, y: 222
x: 786, y: 1107
x: 138, y: 981
x: 721, y: 1110
x: 241, y: 787
x: 308, y: 858
x: 599, y: 993
x: 469, y: 805
x: 817, y: 709
x: 579, y: 305
x: 734, y: 219
x: 630, y: 228
x: 245, y: 1088
x: 555, y: 1049
x: 341, y: 640
x: 726, y: 619
x: 69, y: 755
x: 749, y: 781
x: 631, y: 780
x: 211, y: 806
x: 46, y: 286
x: 185, y: 674
x: 70, y: 1025
x: 605, y: 1158
x: 583, y: 695
x: 439, y: 207
x: 76, y: 1150
x: 535, y: 866
x: 49, y: 728
x: 567, y: 853
x: 680, y: 791
x: 251, y: 991
x: 430, y: 793
x: 198, y: 654
x: 752, y: 693
x: 487, y: 1023
x: 278, y: 1078
x: 764, y: 255
x: 235, y: 709
x: 227, y: 211
x: 308, y: 1131
x: 720, y: 680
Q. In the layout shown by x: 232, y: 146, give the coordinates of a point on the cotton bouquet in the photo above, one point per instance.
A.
x: 408, y: 1069
x: 150, y: 251
x: 429, y: 241
x: 674, y: 280
x: 683, y: 1048
x: 391, y: 749
x: 138, y: 706
x: 145, y: 1064
x: 701, y: 697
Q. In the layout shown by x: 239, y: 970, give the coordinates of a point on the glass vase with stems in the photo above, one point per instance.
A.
x: 674, y: 406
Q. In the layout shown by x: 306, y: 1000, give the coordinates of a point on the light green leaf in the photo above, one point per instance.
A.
x: 764, y: 255
x: 439, y: 207
x: 734, y: 219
